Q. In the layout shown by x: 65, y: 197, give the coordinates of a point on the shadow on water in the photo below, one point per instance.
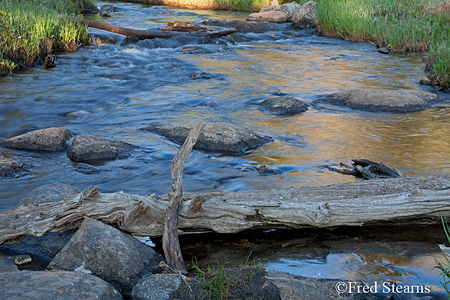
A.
x: 113, y: 90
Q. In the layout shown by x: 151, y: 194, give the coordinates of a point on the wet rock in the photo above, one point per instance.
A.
x: 396, y: 101
x: 9, y: 167
x: 48, y: 139
x: 200, y: 75
x: 159, y: 287
x: 106, y: 10
x: 22, y: 259
x: 283, y: 105
x: 268, y: 16
x: 288, y: 8
x: 301, y: 288
x: 383, y: 50
x: 53, y: 192
x: 44, y: 285
x: 89, y: 169
x: 266, y: 170
x: 306, y: 17
x: 246, y: 26
x: 215, y: 137
x: 89, y: 147
x: 108, y: 253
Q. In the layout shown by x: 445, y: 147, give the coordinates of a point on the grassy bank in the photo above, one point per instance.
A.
x: 32, y: 29
x: 405, y: 26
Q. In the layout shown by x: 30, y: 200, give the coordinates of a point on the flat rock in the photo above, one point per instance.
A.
x: 396, y: 101
x: 9, y: 167
x: 283, y: 105
x: 274, y: 16
x: 53, y: 192
x: 300, y: 288
x: 89, y: 147
x: 307, y: 15
x: 45, y: 285
x: 108, y: 253
x: 215, y: 137
x: 288, y: 8
x: 48, y: 139
x: 246, y: 26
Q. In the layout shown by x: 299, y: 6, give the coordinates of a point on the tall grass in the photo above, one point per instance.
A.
x: 405, y: 26
x: 32, y: 29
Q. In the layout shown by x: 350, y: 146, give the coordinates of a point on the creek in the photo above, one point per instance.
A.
x: 114, y: 89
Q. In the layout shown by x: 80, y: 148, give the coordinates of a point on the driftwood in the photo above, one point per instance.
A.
x: 146, y: 34
x: 394, y: 200
x: 170, y: 241
x: 366, y: 168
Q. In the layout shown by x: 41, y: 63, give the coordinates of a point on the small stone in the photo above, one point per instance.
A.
x: 9, y: 167
x: 22, y: 259
x: 89, y: 147
x: 48, y: 139
x: 283, y: 105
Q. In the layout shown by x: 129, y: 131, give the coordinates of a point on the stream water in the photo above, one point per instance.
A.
x: 113, y: 90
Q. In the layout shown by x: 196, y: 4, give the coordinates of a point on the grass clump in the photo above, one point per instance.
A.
x: 403, y: 26
x: 445, y: 267
x: 32, y: 29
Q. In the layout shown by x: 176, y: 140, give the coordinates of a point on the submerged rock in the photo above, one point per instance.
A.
x: 269, y: 16
x: 283, y: 105
x: 246, y: 26
x: 396, y: 101
x: 48, y: 139
x: 9, y: 167
x: 53, y: 192
x: 89, y: 147
x: 215, y: 137
x: 306, y: 17
x: 108, y: 253
x: 44, y: 285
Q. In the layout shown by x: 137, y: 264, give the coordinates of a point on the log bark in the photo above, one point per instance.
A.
x: 170, y: 241
x: 145, y: 34
x: 394, y: 200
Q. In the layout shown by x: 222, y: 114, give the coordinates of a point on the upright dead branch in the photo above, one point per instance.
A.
x: 171, y: 244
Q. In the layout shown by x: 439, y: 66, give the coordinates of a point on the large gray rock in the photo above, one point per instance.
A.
x: 44, y: 285
x: 283, y: 105
x: 215, y: 137
x: 268, y: 16
x: 9, y: 167
x: 301, y: 288
x: 291, y: 9
x: 89, y: 147
x: 246, y: 26
x: 48, y: 139
x: 108, y: 253
x: 53, y: 192
x: 306, y: 17
x: 397, y: 101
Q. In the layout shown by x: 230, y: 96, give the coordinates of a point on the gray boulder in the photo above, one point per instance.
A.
x: 396, y: 101
x: 301, y: 288
x: 106, y: 10
x: 245, y: 26
x: 283, y: 105
x: 108, y: 253
x: 48, y: 139
x: 44, y: 285
x: 290, y: 9
x: 268, y: 16
x: 89, y: 147
x: 9, y: 167
x: 306, y: 17
x: 53, y: 192
x: 215, y: 137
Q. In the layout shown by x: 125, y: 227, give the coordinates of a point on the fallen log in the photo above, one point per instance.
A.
x: 146, y: 34
x: 405, y: 199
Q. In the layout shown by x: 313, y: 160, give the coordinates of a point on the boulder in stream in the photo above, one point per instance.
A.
x: 9, y: 167
x: 50, y: 193
x: 108, y: 253
x: 291, y: 9
x: 47, y: 139
x: 306, y: 17
x: 44, y: 285
x: 269, y: 16
x: 89, y: 147
x: 215, y: 137
x: 395, y: 101
x: 283, y: 105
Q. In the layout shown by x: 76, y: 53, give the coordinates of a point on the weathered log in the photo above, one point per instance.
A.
x: 398, y: 200
x: 146, y: 34
x: 170, y: 241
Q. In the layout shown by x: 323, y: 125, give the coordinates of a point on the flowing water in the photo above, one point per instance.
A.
x: 113, y: 90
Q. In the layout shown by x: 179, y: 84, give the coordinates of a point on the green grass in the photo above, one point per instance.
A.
x: 404, y: 26
x: 32, y: 29
x: 445, y: 267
